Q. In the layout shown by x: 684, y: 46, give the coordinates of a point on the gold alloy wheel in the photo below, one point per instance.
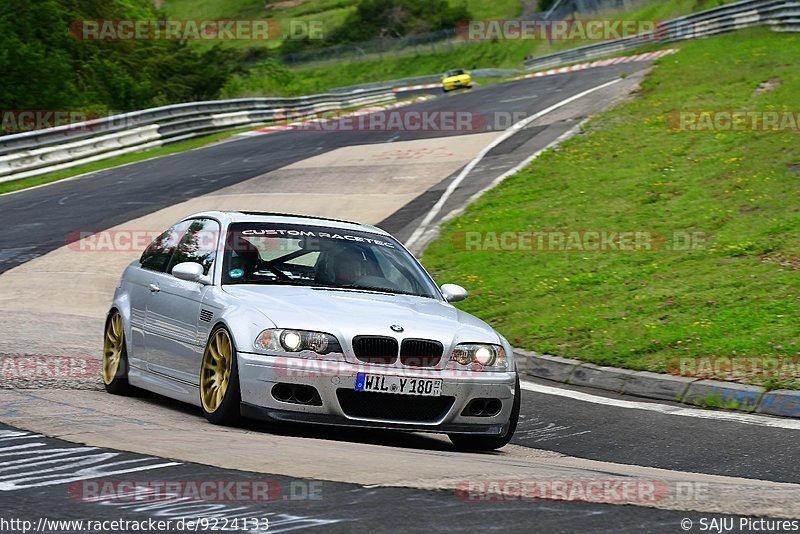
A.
x: 112, y: 348
x: 216, y: 370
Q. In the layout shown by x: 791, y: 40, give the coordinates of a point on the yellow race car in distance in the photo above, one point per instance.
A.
x: 455, y: 79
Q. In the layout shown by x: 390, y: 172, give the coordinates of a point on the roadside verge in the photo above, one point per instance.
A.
x: 687, y: 390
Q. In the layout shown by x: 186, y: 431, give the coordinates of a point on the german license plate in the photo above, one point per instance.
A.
x: 401, y: 385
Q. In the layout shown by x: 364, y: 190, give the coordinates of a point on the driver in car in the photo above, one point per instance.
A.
x: 349, y: 266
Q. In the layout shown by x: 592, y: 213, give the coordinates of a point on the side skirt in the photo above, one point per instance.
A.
x: 164, y: 385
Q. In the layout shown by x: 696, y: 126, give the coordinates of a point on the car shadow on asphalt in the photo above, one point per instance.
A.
x: 386, y: 438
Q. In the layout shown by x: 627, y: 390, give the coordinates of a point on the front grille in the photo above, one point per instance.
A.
x: 393, y: 407
x: 421, y: 353
x: 375, y: 349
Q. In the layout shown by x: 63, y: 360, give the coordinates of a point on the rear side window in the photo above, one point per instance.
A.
x: 198, y: 244
x: 156, y: 257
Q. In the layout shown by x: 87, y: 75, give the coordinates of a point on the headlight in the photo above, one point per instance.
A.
x: 281, y: 340
x: 488, y: 356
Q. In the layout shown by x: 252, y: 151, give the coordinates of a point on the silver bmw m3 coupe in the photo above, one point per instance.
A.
x: 300, y: 319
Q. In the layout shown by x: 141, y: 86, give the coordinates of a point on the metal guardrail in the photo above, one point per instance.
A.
x: 28, y: 154
x: 779, y: 15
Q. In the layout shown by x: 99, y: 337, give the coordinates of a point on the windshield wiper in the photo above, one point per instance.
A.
x: 282, y: 282
x: 379, y: 290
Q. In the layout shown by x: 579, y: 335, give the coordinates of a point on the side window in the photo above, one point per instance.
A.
x: 156, y: 257
x: 198, y: 244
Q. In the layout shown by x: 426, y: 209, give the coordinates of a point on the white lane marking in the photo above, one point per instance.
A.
x: 64, y: 466
x: 6, y: 435
x: 51, y: 453
x: 35, y: 463
x: 471, y: 165
x: 747, y: 419
x: 61, y: 463
x: 4, y: 450
x: 560, y: 139
x: 40, y: 478
x: 518, y: 99
x: 540, y: 430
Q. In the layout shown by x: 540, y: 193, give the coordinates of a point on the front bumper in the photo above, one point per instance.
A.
x: 335, y: 384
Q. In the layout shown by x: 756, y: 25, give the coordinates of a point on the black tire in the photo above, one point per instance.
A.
x: 228, y: 413
x: 119, y: 383
x: 490, y: 443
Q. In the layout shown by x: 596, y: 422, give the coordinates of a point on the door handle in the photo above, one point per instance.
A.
x: 154, y: 288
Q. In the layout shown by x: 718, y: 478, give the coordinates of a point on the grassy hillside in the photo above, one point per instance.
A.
x: 331, y: 13
x: 273, y: 79
x: 738, y: 294
x: 668, y: 9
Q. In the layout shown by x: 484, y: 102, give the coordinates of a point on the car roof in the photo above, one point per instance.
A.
x: 288, y: 218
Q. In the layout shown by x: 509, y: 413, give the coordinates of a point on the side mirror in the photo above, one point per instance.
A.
x: 189, y: 271
x: 453, y: 293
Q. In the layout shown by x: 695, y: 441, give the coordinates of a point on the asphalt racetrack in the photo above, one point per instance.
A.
x: 686, y: 469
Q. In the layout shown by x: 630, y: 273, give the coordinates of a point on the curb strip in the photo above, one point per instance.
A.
x: 572, y: 68
x: 648, y: 56
x: 687, y: 390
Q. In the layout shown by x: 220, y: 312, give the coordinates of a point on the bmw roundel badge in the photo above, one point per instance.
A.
x: 396, y: 328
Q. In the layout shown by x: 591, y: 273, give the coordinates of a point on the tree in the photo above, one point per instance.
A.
x: 45, y: 67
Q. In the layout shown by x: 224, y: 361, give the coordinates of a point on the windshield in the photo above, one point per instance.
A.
x: 456, y: 72
x: 279, y: 254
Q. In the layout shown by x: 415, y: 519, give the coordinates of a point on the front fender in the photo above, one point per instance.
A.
x: 122, y: 303
x: 510, y: 356
x: 244, y: 324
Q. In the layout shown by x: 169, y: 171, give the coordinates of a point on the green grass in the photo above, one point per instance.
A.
x: 331, y: 13
x: 737, y: 295
x: 24, y: 183
x: 493, y: 9
x: 669, y: 9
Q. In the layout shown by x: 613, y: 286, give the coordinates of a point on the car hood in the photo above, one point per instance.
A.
x: 346, y: 313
